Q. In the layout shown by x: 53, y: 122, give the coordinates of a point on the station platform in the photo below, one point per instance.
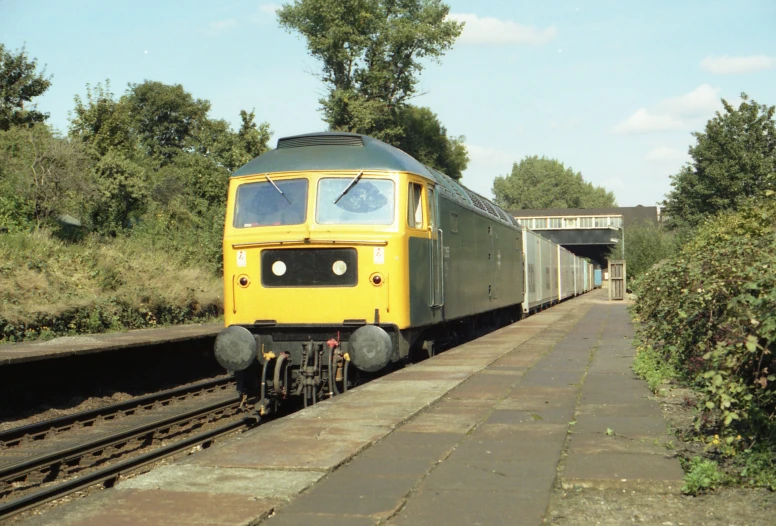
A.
x: 14, y: 353
x: 481, y: 434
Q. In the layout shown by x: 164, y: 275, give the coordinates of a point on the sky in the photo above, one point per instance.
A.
x: 612, y: 89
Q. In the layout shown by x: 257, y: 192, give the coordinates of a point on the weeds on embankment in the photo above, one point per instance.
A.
x: 50, y: 287
x: 707, y: 318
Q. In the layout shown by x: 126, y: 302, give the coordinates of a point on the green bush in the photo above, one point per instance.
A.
x: 651, y: 366
x: 701, y: 475
x: 710, y: 312
x: 645, y: 244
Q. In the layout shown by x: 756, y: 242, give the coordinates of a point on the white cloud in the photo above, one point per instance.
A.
x: 488, y: 30
x: 731, y: 65
x: 646, y: 121
x: 677, y: 113
x: 665, y: 154
x: 701, y: 101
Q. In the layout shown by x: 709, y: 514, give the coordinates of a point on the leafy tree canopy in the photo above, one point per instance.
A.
x: 156, y: 147
x: 20, y: 82
x: 733, y: 161
x: 164, y: 116
x: 538, y: 182
x: 426, y: 140
x: 371, y: 52
x: 154, y: 122
x: 102, y: 123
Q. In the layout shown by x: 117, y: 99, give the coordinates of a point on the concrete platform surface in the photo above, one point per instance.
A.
x: 480, y: 434
x: 11, y: 353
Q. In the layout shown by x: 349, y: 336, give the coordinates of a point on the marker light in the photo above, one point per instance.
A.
x: 278, y: 268
x: 339, y: 267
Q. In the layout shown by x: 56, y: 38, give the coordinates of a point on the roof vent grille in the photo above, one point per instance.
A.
x: 320, y: 140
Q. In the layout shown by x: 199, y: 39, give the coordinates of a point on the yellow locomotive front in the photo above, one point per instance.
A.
x: 315, y: 266
x: 312, y: 248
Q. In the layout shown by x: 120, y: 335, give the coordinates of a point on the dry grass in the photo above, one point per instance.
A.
x: 42, y: 275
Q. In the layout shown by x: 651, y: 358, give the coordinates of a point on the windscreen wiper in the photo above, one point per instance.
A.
x: 351, y: 185
x: 278, y: 189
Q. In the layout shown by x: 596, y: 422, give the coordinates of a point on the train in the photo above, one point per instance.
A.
x: 345, y: 257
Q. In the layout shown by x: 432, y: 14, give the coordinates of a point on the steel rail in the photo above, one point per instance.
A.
x: 112, y: 473
x: 71, y: 455
x: 39, y: 430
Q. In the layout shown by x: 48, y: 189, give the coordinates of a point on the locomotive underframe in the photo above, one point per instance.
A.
x: 312, y: 360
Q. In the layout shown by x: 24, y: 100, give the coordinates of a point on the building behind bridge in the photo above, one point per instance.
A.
x: 587, y: 232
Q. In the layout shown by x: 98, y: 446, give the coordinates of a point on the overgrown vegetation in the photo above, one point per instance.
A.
x: 645, y: 244
x: 651, y: 366
x: 701, y: 475
x: 707, y: 310
x: 119, y: 223
x: 709, y: 314
x: 50, y: 287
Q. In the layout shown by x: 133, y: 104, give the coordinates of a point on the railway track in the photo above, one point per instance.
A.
x: 48, y: 460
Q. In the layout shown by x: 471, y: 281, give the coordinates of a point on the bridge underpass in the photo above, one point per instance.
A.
x: 592, y: 243
x: 587, y: 232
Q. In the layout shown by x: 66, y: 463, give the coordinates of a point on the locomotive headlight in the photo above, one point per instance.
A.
x: 278, y: 268
x: 339, y: 267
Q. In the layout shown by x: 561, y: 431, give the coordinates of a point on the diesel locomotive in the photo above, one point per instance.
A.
x: 344, y: 255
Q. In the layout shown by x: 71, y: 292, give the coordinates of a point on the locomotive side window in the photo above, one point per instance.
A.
x: 415, y: 206
x: 349, y: 201
x: 271, y: 203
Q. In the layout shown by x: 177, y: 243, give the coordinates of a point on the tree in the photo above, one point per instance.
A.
x: 103, y: 123
x: 733, y: 161
x: 164, y: 117
x: 371, y: 51
x: 158, y: 157
x: 122, y: 193
x: 646, y: 243
x: 19, y: 84
x: 215, y: 140
x: 253, y: 138
x: 546, y: 183
x: 152, y: 123
x: 424, y: 137
x: 42, y: 176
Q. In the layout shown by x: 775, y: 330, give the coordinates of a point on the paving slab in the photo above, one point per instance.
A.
x: 591, y: 444
x: 453, y: 507
x: 460, y: 473
x: 606, y: 469
x: 160, y: 508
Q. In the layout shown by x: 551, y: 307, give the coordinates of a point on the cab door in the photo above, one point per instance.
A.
x: 436, y: 255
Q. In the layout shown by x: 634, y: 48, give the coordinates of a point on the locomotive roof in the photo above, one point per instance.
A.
x: 332, y: 151
x: 351, y: 151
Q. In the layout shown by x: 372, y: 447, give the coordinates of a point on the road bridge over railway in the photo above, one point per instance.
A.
x: 587, y: 232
